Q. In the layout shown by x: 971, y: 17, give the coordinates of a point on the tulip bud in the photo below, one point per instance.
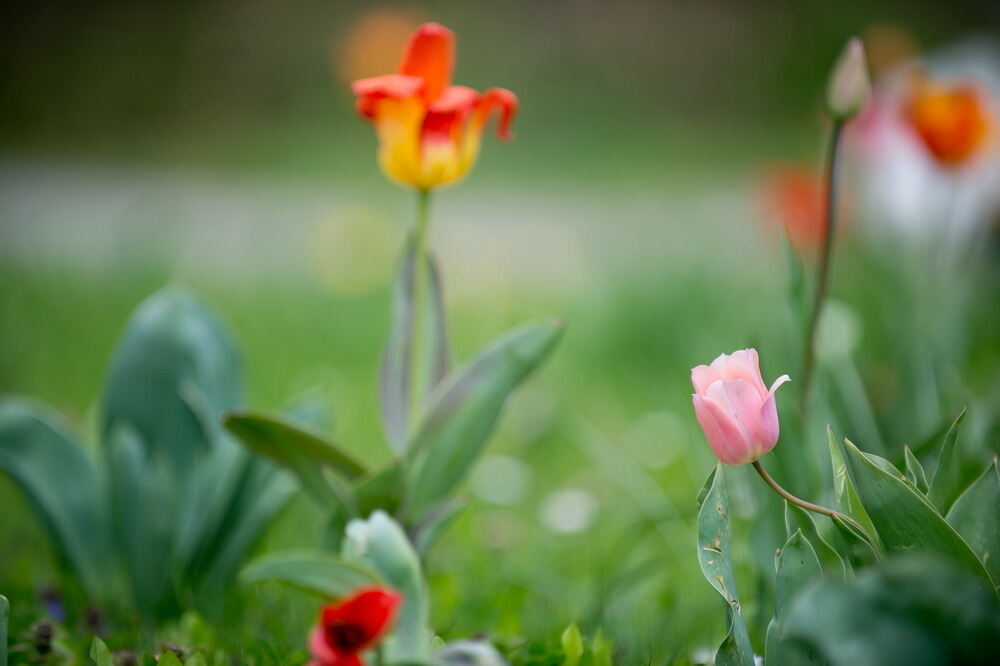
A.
x: 734, y: 408
x: 849, y: 87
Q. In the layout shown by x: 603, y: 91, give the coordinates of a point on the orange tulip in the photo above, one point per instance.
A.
x: 952, y: 122
x: 429, y: 131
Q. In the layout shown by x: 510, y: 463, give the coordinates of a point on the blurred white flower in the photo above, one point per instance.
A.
x: 568, y: 511
x: 500, y: 479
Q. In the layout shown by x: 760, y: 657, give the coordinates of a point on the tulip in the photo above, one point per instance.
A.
x: 952, y: 122
x: 849, y: 86
x: 734, y: 408
x: 351, y: 626
x: 429, y: 131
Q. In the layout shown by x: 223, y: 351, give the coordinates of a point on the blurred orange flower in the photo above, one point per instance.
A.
x: 429, y: 131
x: 793, y: 197
x: 952, y: 121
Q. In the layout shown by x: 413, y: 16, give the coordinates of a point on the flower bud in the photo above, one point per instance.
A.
x: 734, y: 408
x: 849, y: 87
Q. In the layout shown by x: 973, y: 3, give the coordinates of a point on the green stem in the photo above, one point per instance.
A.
x: 823, y: 272
x: 417, y: 361
x: 808, y: 506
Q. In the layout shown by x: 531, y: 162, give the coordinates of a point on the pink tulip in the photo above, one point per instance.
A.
x: 734, y: 407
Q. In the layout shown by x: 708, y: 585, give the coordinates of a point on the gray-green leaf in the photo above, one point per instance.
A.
x: 325, y: 575
x: 976, y: 516
x: 944, y: 483
x: 796, y: 566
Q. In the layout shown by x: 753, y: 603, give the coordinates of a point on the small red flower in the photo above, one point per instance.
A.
x: 353, y: 625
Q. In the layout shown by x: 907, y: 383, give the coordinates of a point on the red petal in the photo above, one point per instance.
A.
x: 371, y: 90
x: 370, y: 611
x: 430, y: 55
x: 500, y: 98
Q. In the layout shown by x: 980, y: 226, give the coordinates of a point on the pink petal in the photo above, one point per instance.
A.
x: 723, y: 435
x: 767, y: 427
x: 702, y: 377
x: 741, y: 364
x: 778, y: 382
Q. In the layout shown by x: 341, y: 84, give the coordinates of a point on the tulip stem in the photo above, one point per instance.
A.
x: 823, y: 272
x: 808, y: 506
x: 420, y: 261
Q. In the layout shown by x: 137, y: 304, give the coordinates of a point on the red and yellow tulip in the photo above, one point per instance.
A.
x: 429, y: 131
x: 952, y: 121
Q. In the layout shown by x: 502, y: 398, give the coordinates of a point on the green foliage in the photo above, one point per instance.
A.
x: 906, y: 522
x: 716, y: 565
x: 4, y: 619
x: 325, y: 575
x: 572, y: 645
x: 100, y: 654
x: 944, y: 484
x: 976, y: 516
x: 796, y: 566
x: 915, y: 471
x: 904, y: 613
x: 798, y: 519
x: 169, y: 501
x: 464, y: 409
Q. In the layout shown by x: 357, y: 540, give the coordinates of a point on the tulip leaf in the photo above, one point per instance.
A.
x: 944, y: 483
x: 915, y: 471
x: 63, y: 487
x: 976, y: 516
x: 300, y: 449
x: 99, y: 653
x: 860, y: 549
x: 913, y: 612
x: 463, y: 411
x: 4, y: 619
x: 797, y: 518
x: 380, y: 490
x: 906, y: 522
x: 380, y: 544
x: 796, y: 566
x: 572, y: 645
x: 143, y: 513
x: 171, y: 341
x: 399, y: 356
x: 716, y: 565
x: 847, y: 494
x: 325, y: 575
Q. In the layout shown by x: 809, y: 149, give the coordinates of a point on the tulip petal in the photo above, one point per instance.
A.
x: 741, y: 364
x: 372, y: 90
x: 503, y: 100
x: 702, y: 377
x: 767, y: 426
x: 723, y: 435
x: 741, y: 400
x: 430, y: 55
x: 778, y: 382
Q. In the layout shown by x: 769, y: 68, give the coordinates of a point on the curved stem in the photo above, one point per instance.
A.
x: 808, y: 506
x: 823, y: 272
x: 417, y: 361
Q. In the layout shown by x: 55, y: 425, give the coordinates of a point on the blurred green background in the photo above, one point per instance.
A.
x: 215, y: 144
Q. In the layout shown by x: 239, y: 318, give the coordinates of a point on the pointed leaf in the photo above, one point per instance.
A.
x: 797, y: 518
x: 915, y: 471
x: 62, y: 485
x: 463, y: 411
x: 171, y: 340
x: 796, y: 566
x: 572, y: 645
x: 847, y: 494
x: 945, y: 481
x: 714, y: 555
x: 859, y: 547
x: 395, y: 377
x: 381, y: 545
x: 976, y: 516
x: 905, y: 520
x: 100, y: 654
x: 325, y: 575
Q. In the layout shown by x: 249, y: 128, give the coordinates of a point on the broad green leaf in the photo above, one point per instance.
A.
x: 168, y: 658
x: 99, y: 653
x: 63, y: 487
x: 906, y: 522
x: 797, y: 518
x: 847, y: 494
x: 572, y: 645
x: 944, y: 484
x: 325, y: 575
x: 380, y: 490
x: 143, y: 519
x: 399, y: 356
x: 796, y: 566
x: 912, y: 612
x: 274, y: 437
x: 381, y: 545
x: 714, y: 555
x: 858, y: 545
x: 976, y: 516
x: 4, y: 619
x: 915, y: 471
x: 171, y: 340
x: 463, y: 411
